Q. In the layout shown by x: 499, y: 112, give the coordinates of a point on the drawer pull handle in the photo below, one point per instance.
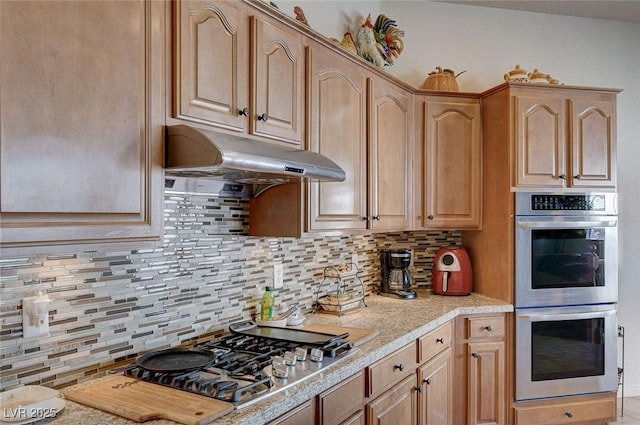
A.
x: 569, y: 414
x: 244, y: 112
x: 440, y: 340
x: 263, y: 117
x: 399, y: 367
x: 427, y: 381
x: 488, y: 328
x: 418, y: 389
x: 475, y: 355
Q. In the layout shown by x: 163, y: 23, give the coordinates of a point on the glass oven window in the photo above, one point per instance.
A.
x: 567, y: 258
x: 567, y: 349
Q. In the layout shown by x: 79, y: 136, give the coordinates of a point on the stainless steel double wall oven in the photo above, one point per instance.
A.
x: 566, y: 294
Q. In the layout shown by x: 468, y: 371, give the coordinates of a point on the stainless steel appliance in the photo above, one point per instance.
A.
x: 204, y: 154
x: 566, y: 294
x: 245, y: 366
x: 564, y: 351
x: 566, y: 249
x: 396, y: 276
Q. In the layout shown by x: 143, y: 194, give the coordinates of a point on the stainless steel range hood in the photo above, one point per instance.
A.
x: 193, y: 152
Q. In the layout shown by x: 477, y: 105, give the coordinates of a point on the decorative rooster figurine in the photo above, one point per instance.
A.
x: 300, y: 15
x: 380, y: 43
x: 347, y: 43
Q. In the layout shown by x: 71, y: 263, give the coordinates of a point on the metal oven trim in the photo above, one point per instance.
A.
x: 528, y: 297
x: 527, y: 389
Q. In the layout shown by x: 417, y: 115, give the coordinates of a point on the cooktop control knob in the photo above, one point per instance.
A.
x: 301, y: 354
x: 316, y: 355
x: 290, y: 358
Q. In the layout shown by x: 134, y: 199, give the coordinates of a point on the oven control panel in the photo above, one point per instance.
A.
x: 567, y: 202
x: 528, y: 203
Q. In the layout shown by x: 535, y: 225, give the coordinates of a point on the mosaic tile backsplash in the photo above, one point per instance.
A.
x: 109, y: 306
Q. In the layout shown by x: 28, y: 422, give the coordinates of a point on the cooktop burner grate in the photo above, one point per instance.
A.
x: 241, y: 371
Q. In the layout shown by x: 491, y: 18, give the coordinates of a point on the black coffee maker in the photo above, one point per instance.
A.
x: 396, y: 277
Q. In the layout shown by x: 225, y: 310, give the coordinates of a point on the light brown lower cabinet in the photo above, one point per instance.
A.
x: 343, y: 403
x: 397, y: 405
x: 585, y: 410
x: 301, y: 415
x: 480, y: 370
x: 435, y: 395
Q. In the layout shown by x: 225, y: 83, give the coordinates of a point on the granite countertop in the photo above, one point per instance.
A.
x: 399, y: 323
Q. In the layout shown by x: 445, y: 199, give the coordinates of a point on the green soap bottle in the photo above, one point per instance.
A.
x: 266, y: 305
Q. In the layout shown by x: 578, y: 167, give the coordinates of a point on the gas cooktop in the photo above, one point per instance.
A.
x: 245, y: 366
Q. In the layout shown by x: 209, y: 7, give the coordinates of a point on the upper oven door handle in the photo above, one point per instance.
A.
x: 555, y: 223
x: 542, y: 317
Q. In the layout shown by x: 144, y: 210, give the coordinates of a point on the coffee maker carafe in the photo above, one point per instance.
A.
x: 396, y: 277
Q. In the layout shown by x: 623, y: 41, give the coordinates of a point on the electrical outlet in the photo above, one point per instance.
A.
x: 278, y: 276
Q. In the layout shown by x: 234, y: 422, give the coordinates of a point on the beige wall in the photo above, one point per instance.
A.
x: 487, y: 42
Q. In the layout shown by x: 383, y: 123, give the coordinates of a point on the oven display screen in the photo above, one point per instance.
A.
x: 567, y: 258
x: 567, y: 349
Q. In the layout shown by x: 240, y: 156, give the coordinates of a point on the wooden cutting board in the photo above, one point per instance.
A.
x: 143, y: 401
x: 356, y: 335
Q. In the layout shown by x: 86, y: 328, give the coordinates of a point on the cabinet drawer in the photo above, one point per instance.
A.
x: 342, y: 401
x: 434, y: 342
x: 301, y: 415
x: 384, y: 373
x: 571, y: 411
x: 485, y: 327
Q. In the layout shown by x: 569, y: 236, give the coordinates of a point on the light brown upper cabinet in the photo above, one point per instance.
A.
x: 448, y: 163
x: 238, y: 72
x: 337, y: 105
x: 390, y: 156
x: 82, y: 115
x: 562, y: 137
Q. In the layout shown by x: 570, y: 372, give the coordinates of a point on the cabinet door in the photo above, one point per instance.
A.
x: 342, y: 403
x: 396, y: 406
x: 390, y: 142
x: 82, y: 113
x: 452, y: 165
x: 540, y: 141
x: 436, y: 398
x: 337, y: 120
x: 593, y: 143
x: 486, y: 392
x: 278, y: 82
x: 212, y: 63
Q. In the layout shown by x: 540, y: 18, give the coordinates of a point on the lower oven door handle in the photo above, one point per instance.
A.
x: 566, y: 222
x: 567, y: 316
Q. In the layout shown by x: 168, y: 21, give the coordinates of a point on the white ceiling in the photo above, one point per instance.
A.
x: 617, y: 10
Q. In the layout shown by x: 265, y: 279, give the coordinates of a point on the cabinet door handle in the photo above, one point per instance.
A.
x: 365, y: 218
x: 400, y: 367
x: 244, y: 112
x: 418, y: 389
x: 376, y: 217
x: 562, y: 176
x: 263, y: 117
x: 430, y: 217
x: 440, y: 341
x: 427, y: 381
x: 569, y: 414
x: 577, y: 177
x: 475, y: 355
x: 488, y: 328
